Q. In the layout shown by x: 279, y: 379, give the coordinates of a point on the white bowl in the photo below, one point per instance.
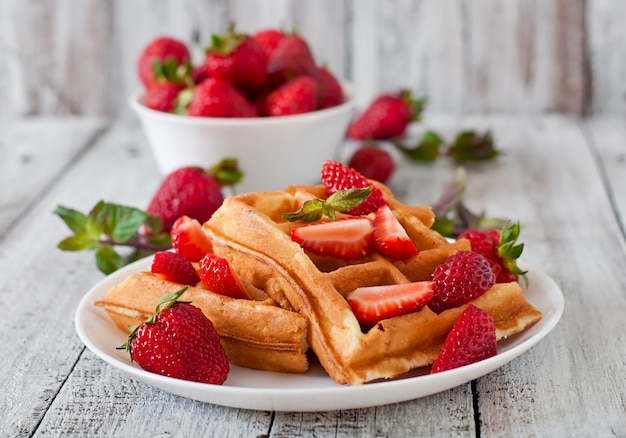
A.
x: 273, y: 152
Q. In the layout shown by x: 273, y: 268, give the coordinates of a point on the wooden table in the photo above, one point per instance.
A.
x: 563, y: 179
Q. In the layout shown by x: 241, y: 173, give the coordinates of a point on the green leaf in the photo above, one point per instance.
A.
x: 127, y: 222
x: 426, y: 150
x: 79, y: 242
x: 227, y: 172
x: 108, y: 260
x: 470, y: 145
x: 340, y: 201
x: 74, y: 219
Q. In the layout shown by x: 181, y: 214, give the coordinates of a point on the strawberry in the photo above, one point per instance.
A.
x: 189, y: 191
x: 373, y: 162
x: 329, y: 91
x: 189, y: 240
x: 386, y: 117
x: 163, y: 54
x: 472, y: 339
x: 348, y: 239
x: 500, y: 249
x: 336, y: 176
x: 174, y: 267
x: 371, y: 304
x: 269, y: 39
x: 390, y: 238
x: 292, y: 57
x: 293, y: 97
x: 215, y: 97
x: 161, y: 96
x: 464, y: 276
x: 219, y: 277
x: 239, y: 59
x: 179, y: 341
x: 199, y: 73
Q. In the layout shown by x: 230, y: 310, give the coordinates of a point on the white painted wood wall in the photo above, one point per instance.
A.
x: 466, y: 56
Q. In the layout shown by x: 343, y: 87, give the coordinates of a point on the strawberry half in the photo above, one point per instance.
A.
x: 336, y: 176
x: 371, y: 304
x: 472, y: 339
x: 174, y: 267
x: 189, y: 240
x: 348, y: 239
x: 218, y: 276
x: 390, y: 237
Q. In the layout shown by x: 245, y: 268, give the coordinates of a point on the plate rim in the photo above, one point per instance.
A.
x: 308, y: 399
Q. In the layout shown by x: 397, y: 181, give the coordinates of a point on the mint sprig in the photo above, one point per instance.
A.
x: 110, y: 225
x: 340, y: 201
x: 468, y: 145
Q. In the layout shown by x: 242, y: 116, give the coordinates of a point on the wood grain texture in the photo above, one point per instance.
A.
x: 519, y: 56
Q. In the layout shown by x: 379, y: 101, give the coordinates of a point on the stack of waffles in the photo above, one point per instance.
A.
x: 299, y: 301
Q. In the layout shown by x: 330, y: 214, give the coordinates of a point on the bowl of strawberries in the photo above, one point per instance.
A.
x: 261, y: 99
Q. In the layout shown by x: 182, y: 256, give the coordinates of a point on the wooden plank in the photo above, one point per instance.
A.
x: 606, y: 134
x: 34, y: 153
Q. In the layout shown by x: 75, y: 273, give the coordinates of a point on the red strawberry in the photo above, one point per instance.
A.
x: 269, y: 39
x: 374, y: 303
x: 219, y: 277
x: 329, y: 89
x: 500, y: 249
x: 348, y: 239
x: 390, y: 237
x: 472, y: 339
x: 386, y: 117
x: 238, y: 59
x: 336, y: 176
x: 161, y: 96
x: 294, y: 97
x: 187, y: 191
x: 174, y: 267
x: 161, y: 54
x: 373, y: 162
x: 464, y: 276
x: 292, y: 57
x: 179, y: 341
x: 189, y: 240
x: 218, y: 98
x: 199, y: 73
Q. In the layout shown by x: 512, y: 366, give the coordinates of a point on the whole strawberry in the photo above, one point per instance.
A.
x: 161, y: 96
x: 373, y: 162
x: 292, y: 57
x: 472, y: 339
x: 499, y: 247
x: 388, y: 116
x: 163, y: 54
x: 337, y: 176
x: 179, y: 341
x: 215, y: 97
x: 238, y: 59
x: 296, y: 96
x: 329, y: 90
x: 269, y: 39
x: 188, y: 191
x: 464, y: 276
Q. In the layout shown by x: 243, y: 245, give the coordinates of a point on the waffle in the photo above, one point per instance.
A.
x: 249, y: 230
x: 255, y: 333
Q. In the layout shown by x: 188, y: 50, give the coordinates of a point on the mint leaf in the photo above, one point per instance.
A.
x: 340, y: 201
x: 108, y: 260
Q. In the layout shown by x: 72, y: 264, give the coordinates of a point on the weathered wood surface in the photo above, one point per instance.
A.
x: 562, y: 178
x: 484, y: 56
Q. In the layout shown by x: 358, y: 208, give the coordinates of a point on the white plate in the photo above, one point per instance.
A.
x: 314, y: 390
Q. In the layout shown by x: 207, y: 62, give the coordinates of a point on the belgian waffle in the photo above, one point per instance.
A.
x: 249, y: 230
x: 255, y: 333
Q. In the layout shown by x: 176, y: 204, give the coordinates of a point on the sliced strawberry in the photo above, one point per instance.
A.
x: 390, y: 237
x: 348, y: 239
x: 473, y: 338
x: 174, y: 267
x: 374, y: 303
x: 189, y: 240
x: 218, y: 276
